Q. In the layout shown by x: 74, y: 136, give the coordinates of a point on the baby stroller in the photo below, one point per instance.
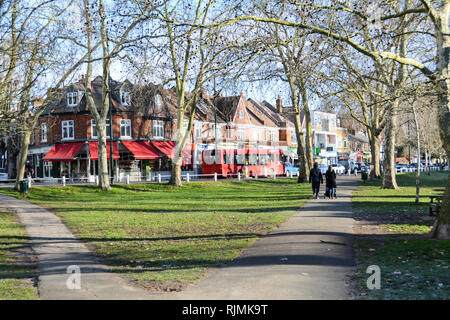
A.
x: 327, y: 192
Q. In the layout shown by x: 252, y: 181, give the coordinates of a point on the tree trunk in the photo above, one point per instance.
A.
x: 441, y: 228
x: 103, y: 175
x: 303, y: 174
x: 389, y: 178
x: 375, y: 151
x: 308, y: 137
x: 13, y: 153
x: 25, y: 142
x: 175, y: 176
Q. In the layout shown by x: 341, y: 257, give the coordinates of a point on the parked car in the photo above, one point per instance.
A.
x: 323, y: 168
x: 345, y: 164
x: 338, y: 168
x: 289, y: 167
x: 401, y: 167
x: 3, y: 174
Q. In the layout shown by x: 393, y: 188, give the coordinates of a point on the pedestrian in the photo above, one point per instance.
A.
x: 330, y: 177
x: 315, y: 178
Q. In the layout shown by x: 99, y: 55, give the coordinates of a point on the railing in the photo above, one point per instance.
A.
x: 186, y: 177
x: 155, y: 178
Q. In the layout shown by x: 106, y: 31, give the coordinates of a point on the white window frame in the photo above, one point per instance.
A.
x: 94, y: 128
x: 198, y: 130
x: 158, y: 129
x: 158, y: 102
x: 44, y: 132
x: 241, y: 133
x: 272, y: 135
x: 124, y: 98
x: 293, y: 136
x: 345, y: 142
x: 219, y: 131
x: 72, y: 99
x: 241, y: 114
x: 67, y: 124
x: 228, y: 133
x: 126, y: 124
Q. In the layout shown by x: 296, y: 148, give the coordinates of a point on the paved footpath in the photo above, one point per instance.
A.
x: 310, y: 256
x: 57, y: 249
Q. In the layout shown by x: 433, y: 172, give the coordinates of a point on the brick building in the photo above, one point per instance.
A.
x: 144, y: 126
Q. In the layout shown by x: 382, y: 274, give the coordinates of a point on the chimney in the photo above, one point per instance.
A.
x: 203, y: 93
x: 279, y: 105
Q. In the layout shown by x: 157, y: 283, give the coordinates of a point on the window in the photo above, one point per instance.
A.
x: 294, y: 136
x: 158, y: 102
x: 345, y: 142
x: 241, y: 133
x: 67, y: 129
x: 217, y: 132
x: 125, y: 98
x: 94, y: 129
x: 158, y: 129
x: 198, y: 130
x: 228, y: 133
x: 272, y: 135
x: 43, y: 132
x: 125, y: 128
x: 72, y: 98
x: 241, y: 114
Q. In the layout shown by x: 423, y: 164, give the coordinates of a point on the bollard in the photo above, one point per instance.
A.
x: 239, y: 176
x: 288, y: 174
x: 274, y: 175
x: 96, y: 180
x: 64, y: 181
x: 128, y: 179
x: 159, y: 177
x: 215, y: 176
x: 187, y: 178
x: 256, y: 175
x: 29, y: 182
x: 348, y: 172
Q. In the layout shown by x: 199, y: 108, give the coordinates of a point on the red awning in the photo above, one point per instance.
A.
x: 141, y: 149
x: 166, y: 147
x: 63, y: 151
x: 93, y: 147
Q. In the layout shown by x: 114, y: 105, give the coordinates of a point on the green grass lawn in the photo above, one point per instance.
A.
x: 412, y: 266
x: 157, y: 234
x: 15, y: 276
x: 371, y: 199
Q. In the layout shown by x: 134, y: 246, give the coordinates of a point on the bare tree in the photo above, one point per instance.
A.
x: 196, y: 54
x: 101, y: 31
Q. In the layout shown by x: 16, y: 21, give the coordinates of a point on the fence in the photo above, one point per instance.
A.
x: 186, y: 177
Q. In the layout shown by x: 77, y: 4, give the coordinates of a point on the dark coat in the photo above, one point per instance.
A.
x: 315, y: 176
x: 330, y: 176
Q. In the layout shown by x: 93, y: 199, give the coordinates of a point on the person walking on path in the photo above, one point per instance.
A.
x: 315, y: 178
x: 330, y: 177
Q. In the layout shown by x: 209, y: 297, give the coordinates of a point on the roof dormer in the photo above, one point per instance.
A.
x: 72, y: 97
